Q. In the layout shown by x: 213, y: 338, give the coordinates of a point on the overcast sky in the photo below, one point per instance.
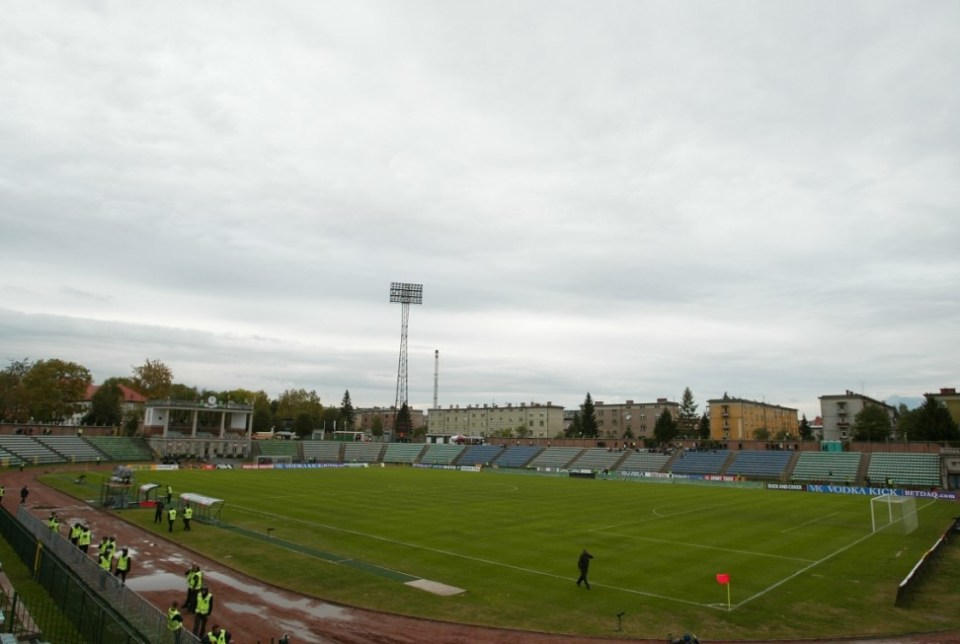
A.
x: 621, y: 198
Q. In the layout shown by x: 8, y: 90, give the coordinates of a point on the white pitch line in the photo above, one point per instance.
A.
x: 812, y: 565
x: 468, y: 558
x: 701, y: 546
x: 827, y: 516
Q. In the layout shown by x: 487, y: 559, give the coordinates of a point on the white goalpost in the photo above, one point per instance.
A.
x: 899, y: 513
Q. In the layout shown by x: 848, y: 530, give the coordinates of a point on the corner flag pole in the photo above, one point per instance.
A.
x: 724, y: 580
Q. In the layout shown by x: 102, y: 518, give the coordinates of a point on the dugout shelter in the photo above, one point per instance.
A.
x: 148, y: 495
x: 205, y: 508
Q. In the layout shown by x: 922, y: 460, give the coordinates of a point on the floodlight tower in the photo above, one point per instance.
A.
x: 405, y: 294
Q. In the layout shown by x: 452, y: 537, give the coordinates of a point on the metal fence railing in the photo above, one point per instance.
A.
x: 101, y: 608
x: 907, y: 588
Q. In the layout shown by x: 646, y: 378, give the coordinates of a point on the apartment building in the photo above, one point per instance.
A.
x: 739, y: 419
x: 631, y: 420
x: 840, y: 410
x: 535, y: 420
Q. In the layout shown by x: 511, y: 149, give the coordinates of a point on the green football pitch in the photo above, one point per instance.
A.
x: 800, y: 564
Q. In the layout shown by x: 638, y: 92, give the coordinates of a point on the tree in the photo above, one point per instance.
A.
x: 178, y: 391
x: 294, y: 402
x: 14, y: 405
x: 588, y: 418
x: 688, y: 415
x: 376, y: 427
x: 55, y: 389
x: 575, y: 426
x: 303, y: 425
x: 931, y: 421
x: 665, y: 429
x: 153, y: 379
x: 806, y: 432
x: 761, y: 434
x: 106, y: 405
x: 347, y: 414
x: 871, y: 424
x: 704, y: 432
x: 403, y: 424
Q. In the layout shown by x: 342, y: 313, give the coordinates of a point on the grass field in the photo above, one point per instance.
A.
x: 801, y: 565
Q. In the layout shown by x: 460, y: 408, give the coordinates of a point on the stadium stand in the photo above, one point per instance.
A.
x: 598, y: 458
x: 517, y: 456
x: 699, y: 462
x: 321, y: 451
x: 29, y: 450
x: 919, y: 470
x: 402, y: 452
x: 480, y: 455
x: 556, y: 457
x: 9, y: 459
x: 439, y: 454
x: 73, y: 449
x: 279, y: 448
x: 836, y: 467
x: 122, y: 448
x: 644, y: 462
x: 760, y: 464
x: 362, y: 452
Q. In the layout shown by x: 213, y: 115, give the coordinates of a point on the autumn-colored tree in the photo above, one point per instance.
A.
x: 14, y: 404
x: 153, y: 379
x: 55, y: 389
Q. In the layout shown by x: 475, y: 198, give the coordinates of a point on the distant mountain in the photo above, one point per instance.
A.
x: 912, y: 402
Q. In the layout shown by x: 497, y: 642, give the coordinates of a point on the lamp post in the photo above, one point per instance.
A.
x: 404, y: 294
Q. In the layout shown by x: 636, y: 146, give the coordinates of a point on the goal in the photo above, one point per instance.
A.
x: 896, y: 513
x: 268, y: 461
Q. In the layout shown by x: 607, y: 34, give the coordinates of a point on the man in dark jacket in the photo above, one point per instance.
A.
x: 583, y: 563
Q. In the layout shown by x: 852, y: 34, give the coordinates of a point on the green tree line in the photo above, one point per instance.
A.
x: 52, y: 391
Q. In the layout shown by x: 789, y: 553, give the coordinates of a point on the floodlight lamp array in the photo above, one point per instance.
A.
x: 406, y: 293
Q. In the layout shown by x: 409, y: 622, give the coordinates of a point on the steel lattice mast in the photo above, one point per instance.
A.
x: 405, y: 294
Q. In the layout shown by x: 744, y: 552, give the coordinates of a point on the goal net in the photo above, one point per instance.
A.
x: 896, y: 513
x: 268, y: 461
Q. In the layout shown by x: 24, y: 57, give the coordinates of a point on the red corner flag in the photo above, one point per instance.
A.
x: 723, y: 578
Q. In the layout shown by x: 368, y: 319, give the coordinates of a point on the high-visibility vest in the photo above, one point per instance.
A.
x: 53, y: 523
x: 217, y: 639
x: 196, y: 582
x: 188, y: 513
x: 85, y: 537
x: 105, y: 561
x: 123, y: 562
x: 174, y: 621
x: 75, y: 532
x: 172, y: 514
x: 111, y: 547
x: 203, y: 603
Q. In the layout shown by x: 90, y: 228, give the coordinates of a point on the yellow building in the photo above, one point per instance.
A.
x: 738, y: 419
x: 533, y: 420
x: 950, y: 399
